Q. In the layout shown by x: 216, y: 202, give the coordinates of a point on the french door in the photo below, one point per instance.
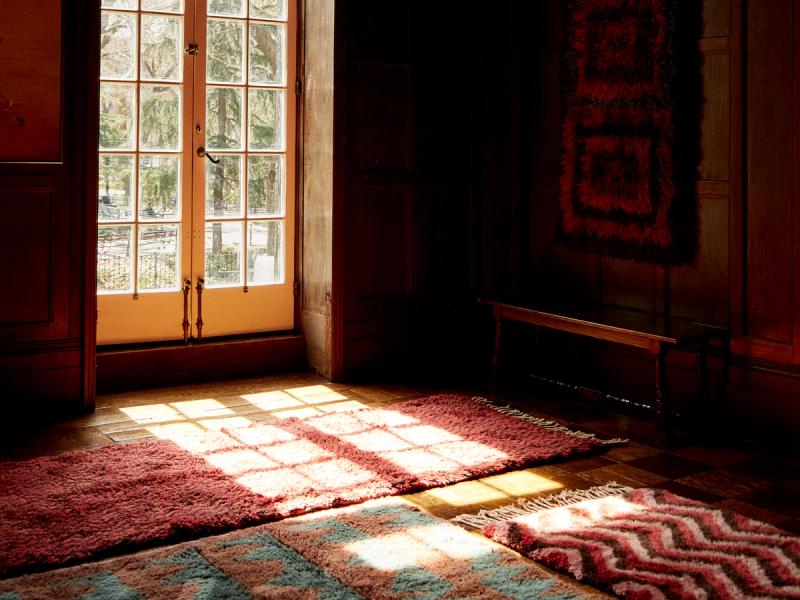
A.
x: 196, y: 179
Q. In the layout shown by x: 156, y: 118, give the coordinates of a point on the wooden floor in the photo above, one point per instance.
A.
x: 761, y: 484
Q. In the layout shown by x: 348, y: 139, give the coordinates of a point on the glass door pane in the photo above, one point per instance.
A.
x: 246, y: 70
x: 143, y: 176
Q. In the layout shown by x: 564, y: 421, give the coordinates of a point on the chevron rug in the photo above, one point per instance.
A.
x: 381, y: 549
x: 96, y: 503
x: 651, y: 544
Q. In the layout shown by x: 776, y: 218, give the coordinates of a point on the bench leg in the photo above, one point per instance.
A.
x: 663, y: 409
x: 498, y: 331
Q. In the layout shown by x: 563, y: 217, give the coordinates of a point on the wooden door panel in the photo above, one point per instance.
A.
x: 34, y: 259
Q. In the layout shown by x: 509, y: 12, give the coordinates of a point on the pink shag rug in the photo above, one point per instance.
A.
x: 649, y: 544
x: 93, y: 503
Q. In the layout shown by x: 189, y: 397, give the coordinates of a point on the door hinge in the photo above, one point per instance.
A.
x: 192, y: 49
x: 296, y: 288
x: 298, y: 87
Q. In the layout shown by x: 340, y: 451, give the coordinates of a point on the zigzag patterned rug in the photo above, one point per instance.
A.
x: 651, y: 544
x: 381, y: 549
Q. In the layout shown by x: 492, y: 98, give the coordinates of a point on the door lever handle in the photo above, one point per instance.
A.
x: 201, y: 152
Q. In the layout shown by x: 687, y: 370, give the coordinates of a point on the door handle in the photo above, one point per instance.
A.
x: 201, y: 283
x: 201, y: 152
x: 187, y: 286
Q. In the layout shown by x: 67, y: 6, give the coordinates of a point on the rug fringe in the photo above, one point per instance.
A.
x: 526, y: 506
x: 546, y: 423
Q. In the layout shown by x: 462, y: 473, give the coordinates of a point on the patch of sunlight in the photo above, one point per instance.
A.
x: 385, y: 417
x: 417, y: 547
x: 466, y: 493
x: 337, y: 474
x: 300, y: 413
x: 217, y: 424
x: 262, y: 435
x: 420, y: 461
x: 425, y: 435
x: 275, y: 400
x: 522, y: 483
x: 455, y: 543
x: 376, y: 440
x: 172, y: 431
x: 295, y: 452
x: 201, y: 408
x: 240, y: 461
x: 343, y: 406
x: 580, y: 515
x: 468, y: 453
x: 193, y: 438
x: 275, y: 483
x: 152, y: 413
x: 316, y: 394
x: 490, y: 489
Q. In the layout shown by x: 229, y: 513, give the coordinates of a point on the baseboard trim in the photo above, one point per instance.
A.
x: 132, y: 368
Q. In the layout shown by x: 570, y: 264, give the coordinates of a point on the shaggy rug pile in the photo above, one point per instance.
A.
x: 630, y: 127
x: 381, y: 549
x: 113, y: 499
x: 650, y: 543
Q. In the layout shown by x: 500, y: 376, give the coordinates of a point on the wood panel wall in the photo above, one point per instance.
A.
x: 420, y: 202
x: 409, y: 132
x: 744, y: 275
x: 48, y: 119
x: 315, y: 262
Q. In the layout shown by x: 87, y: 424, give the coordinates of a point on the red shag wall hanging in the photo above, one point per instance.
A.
x: 630, y: 145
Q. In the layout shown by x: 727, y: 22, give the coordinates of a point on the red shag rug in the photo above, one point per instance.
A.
x: 381, y: 549
x: 88, y: 504
x: 652, y: 544
x: 630, y: 150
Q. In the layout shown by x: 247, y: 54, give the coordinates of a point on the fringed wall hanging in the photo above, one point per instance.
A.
x: 630, y: 144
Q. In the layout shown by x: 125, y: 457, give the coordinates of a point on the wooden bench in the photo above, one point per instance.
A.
x: 654, y: 334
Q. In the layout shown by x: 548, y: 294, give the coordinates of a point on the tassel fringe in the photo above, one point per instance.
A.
x: 526, y: 506
x: 545, y: 423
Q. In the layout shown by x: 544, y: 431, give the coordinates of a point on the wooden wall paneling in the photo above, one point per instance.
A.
x: 716, y: 18
x: 769, y: 303
x: 382, y: 140
x: 628, y: 283
x: 377, y: 250
x: 35, y: 258
x: 47, y: 313
x: 795, y: 173
x: 699, y: 290
x: 559, y: 271
x: 716, y: 117
x: 30, y: 81
x: 765, y: 399
x: 736, y: 257
x: 317, y: 250
x: 377, y: 185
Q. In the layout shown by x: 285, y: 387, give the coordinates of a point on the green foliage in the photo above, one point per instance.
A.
x: 160, y: 117
x: 158, y: 182
x: 223, y: 118
x: 224, y: 39
x: 116, y: 116
x: 264, y: 117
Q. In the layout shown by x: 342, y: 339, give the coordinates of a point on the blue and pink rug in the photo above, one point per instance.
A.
x: 381, y: 549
